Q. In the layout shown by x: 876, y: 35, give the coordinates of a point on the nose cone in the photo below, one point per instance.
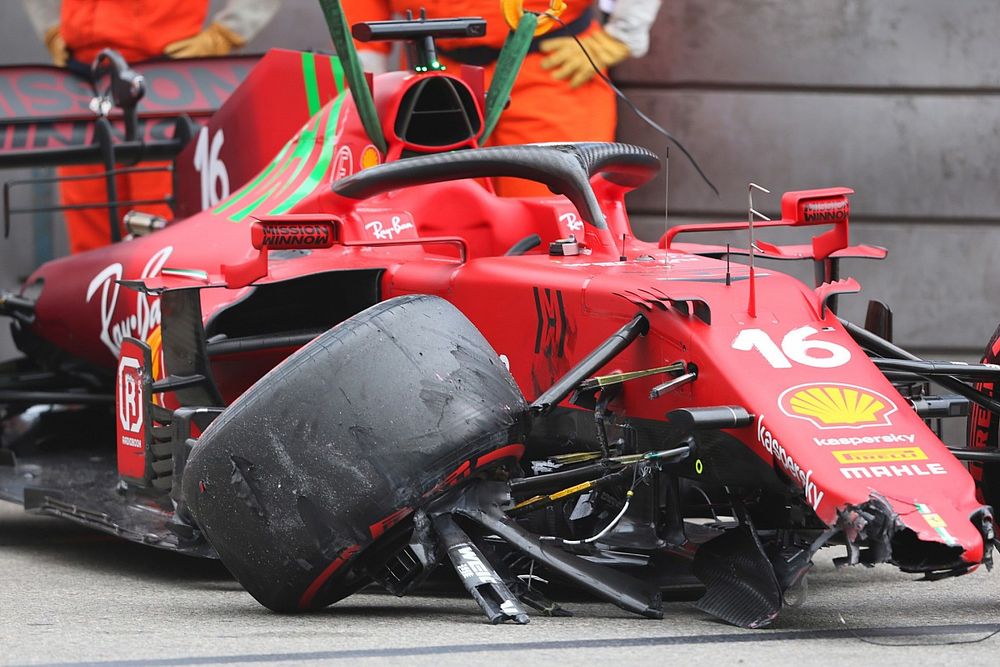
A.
x: 918, y: 536
x: 870, y: 466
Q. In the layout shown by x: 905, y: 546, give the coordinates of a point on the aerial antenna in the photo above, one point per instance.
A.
x: 666, y: 200
x: 729, y: 275
x: 751, y: 213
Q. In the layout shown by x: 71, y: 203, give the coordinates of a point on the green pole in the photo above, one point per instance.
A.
x: 508, y: 65
x: 340, y: 33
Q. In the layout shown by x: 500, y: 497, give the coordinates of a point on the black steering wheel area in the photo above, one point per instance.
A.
x: 565, y: 168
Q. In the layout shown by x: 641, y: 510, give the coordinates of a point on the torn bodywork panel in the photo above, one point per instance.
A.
x: 874, y: 532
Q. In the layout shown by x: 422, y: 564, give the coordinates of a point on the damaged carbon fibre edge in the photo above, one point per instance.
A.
x: 873, y: 533
x: 747, y: 585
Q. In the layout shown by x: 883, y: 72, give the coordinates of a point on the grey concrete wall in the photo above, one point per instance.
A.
x: 824, y: 43
x: 928, y: 294
x: 899, y: 99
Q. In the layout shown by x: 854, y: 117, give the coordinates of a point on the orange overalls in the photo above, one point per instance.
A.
x: 139, y: 30
x: 541, y: 108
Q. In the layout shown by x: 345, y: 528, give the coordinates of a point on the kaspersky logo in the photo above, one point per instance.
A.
x: 832, y: 405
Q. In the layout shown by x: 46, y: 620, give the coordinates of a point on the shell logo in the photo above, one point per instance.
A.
x: 370, y: 157
x: 835, y: 406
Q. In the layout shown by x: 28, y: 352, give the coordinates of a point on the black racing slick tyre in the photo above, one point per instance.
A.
x: 984, y: 432
x: 303, y: 481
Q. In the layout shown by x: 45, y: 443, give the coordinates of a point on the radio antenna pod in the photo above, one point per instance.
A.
x: 751, y: 214
x: 419, y: 34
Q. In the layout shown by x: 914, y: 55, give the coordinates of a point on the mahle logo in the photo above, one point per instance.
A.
x: 834, y: 405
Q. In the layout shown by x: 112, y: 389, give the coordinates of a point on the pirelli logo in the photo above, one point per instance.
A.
x: 880, y: 455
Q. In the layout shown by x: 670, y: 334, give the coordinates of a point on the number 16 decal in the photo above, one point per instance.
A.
x: 795, y: 347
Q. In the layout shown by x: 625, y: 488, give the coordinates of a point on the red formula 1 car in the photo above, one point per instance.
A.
x: 357, y: 362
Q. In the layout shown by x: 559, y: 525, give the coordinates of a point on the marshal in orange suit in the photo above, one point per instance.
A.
x: 75, y: 31
x: 557, y: 96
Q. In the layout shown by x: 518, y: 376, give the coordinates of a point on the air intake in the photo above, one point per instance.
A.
x: 438, y: 112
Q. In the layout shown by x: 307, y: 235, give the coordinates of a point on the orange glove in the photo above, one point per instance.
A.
x: 215, y: 40
x: 56, y: 46
x: 568, y: 61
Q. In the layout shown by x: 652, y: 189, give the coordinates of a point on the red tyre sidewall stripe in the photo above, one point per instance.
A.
x: 305, y: 602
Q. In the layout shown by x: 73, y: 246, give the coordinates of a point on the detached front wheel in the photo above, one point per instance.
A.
x: 307, y: 483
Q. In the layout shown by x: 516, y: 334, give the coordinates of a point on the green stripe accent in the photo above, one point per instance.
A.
x: 312, y: 85
x: 303, y: 149
x: 242, y: 192
x: 302, y: 154
x: 322, y: 165
x: 241, y: 215
x: 299, y: 147
x: 338, y: 73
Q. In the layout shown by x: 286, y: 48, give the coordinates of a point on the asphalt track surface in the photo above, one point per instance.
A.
x: 69, y: 596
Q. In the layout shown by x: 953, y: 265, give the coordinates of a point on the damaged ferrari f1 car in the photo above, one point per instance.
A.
x: 361, y: 363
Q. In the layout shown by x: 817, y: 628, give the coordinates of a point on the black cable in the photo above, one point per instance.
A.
x: 638, y: 112
x: 950, y: 643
